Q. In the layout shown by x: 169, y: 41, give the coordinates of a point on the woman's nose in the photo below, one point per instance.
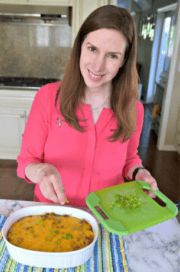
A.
x: 99, y: 63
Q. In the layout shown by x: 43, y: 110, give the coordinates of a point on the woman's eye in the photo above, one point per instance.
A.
x: 92, y: 48
x: 113, y: 56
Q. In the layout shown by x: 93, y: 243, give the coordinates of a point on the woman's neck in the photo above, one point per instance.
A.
x: 97, y: 96
x: 98, y: 99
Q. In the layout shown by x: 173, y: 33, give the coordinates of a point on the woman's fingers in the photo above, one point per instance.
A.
x: 154, y: 186
x: 145, y: 175
x: 49, y: 180
x: 153, y: 183
x: 52, y: 189
x: 47, y: 190
x: 59, y: 190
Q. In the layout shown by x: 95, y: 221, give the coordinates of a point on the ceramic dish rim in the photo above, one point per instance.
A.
x: 13, y: 214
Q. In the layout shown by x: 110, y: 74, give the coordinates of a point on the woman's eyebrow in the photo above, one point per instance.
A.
x: 88, y: 43
x: 110, y: 52
x: 120, y: 53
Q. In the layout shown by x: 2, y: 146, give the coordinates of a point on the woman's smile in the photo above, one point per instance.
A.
x: 95, y: 76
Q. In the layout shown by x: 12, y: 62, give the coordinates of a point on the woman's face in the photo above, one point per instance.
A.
x: 102, y: 54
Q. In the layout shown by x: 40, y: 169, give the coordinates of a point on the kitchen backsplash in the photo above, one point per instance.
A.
x: 34, y: 50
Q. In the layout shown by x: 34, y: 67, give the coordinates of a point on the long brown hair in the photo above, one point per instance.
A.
x: 125, y: 83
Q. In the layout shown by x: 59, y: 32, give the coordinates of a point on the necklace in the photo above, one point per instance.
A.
x: 100, y: 106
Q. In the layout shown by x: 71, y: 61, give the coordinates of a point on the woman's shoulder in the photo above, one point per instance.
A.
x: 47, y: 93
x: 139, y: 106
x: 49, y: 89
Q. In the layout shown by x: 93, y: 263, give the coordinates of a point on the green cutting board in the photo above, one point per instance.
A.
x: 124, y: 220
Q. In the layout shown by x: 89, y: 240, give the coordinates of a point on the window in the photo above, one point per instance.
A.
x: 166, y: 48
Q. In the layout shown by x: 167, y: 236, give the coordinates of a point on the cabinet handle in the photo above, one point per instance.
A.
x: 24, y: 115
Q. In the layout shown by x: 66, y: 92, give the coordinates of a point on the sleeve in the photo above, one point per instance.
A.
x: 35, y: 133
x: 133, y: 158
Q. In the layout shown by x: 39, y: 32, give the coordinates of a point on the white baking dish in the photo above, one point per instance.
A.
x: 50, y: 259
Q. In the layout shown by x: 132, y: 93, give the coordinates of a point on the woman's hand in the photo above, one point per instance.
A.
x: 144, y: 174
x: 49, y: 181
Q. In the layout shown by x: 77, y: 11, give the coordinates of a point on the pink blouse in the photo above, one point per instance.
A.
x: 87, y: 161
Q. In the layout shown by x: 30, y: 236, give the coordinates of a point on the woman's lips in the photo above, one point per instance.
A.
x: 95, y: 77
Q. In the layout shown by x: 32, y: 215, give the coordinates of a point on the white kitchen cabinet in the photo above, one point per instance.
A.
x: 50, y: 3
x: 81, y: 9
x: 13, y: 2
x: 14, y: 109
x: 38, y: 2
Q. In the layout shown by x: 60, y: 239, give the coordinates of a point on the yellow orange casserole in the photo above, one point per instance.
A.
x: 51, y: 232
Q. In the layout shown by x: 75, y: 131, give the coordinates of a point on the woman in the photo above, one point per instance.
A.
x: 83, y: 134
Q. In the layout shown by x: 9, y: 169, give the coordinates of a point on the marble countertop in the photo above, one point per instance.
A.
x: 156, y: 249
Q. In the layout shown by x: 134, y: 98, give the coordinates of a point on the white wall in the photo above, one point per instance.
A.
x: 171, y: 103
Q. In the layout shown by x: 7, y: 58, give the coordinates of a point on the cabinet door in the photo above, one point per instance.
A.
x: 39, y: 2
x: 11, y: 126
x: 51, y: 3
x: 14, y: 2
x: 14, y: 109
